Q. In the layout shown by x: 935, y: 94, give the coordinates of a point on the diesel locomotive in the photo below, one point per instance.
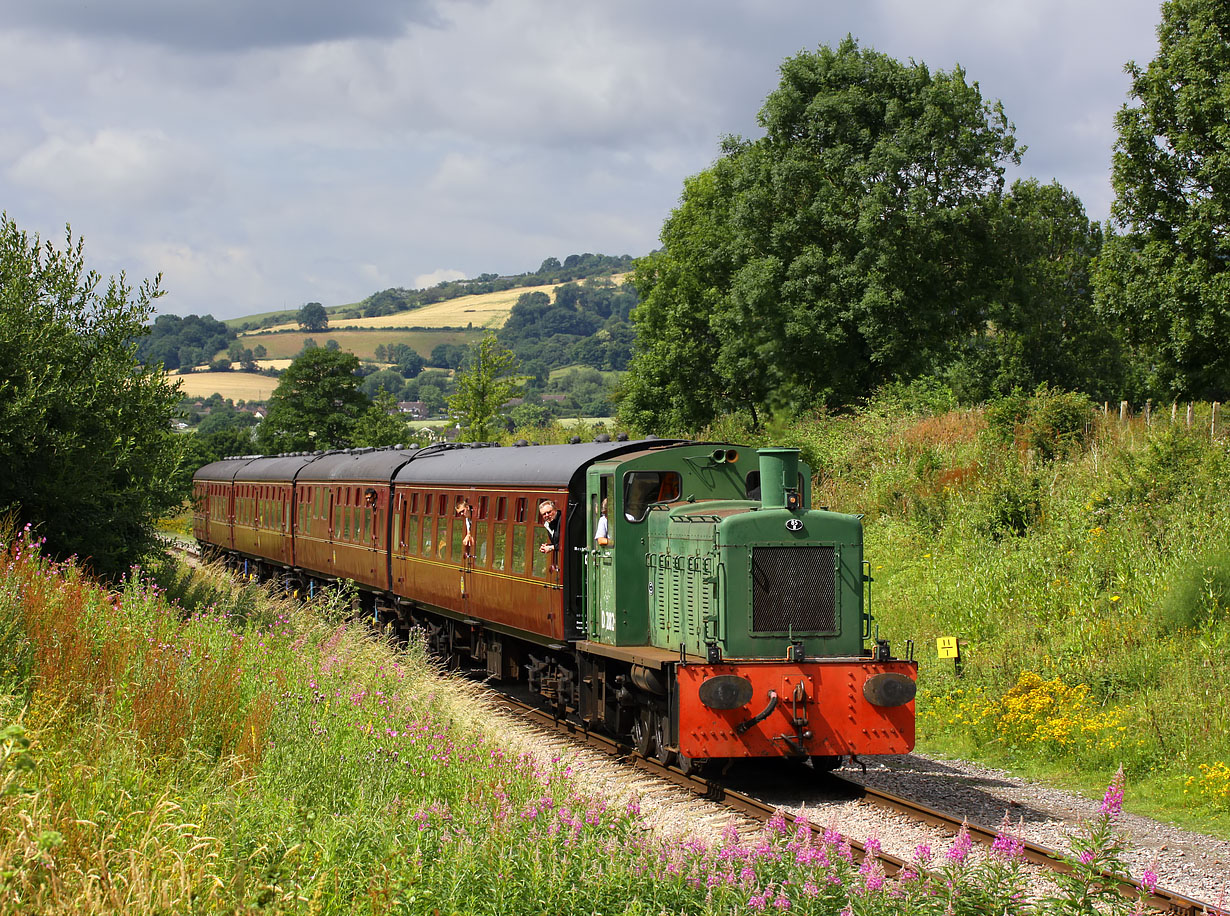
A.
x: 686, y: 596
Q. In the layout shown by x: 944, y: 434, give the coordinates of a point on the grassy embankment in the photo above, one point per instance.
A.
x: 1085, y: 568
x: 209, y: 748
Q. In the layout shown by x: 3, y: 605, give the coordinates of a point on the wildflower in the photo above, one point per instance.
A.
x: 1086, y: 856
x: 1112, y: 801
x: 781, y: 901
x: 872, y: 845
x: 1006, y: 845
x: 1149, y: 879
x: 961, y: 848
x: 777, y: 823
x: 922, y: 852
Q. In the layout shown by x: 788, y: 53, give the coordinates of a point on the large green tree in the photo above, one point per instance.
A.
x: 1165, y: 273
x: 484, y: 383
x: 315, y: 404
x: 87, y: 455
x: 848, y: 246
x: 1041, y: 326
x: 313, y: 317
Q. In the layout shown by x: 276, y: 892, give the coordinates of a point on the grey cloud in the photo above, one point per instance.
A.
x: 222, y: 25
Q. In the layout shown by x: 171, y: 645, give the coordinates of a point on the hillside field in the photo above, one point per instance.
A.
x: 488, y: 310
x: 362, y: 343
x: 238, y: 386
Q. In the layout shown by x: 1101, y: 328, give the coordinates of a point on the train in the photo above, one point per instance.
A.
x: 683, y: 596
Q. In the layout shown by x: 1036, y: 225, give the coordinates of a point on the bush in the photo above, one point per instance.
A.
x: 1049, y: 423
x: 1199, y: 593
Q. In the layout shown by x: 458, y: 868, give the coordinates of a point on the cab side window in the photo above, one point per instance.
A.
x: 645, y: 489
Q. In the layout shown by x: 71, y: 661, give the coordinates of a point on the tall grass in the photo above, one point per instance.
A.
x: 202, y: 746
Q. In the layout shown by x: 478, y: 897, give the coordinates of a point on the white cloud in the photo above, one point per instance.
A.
x: 117, y: 166
x: 422, y: 281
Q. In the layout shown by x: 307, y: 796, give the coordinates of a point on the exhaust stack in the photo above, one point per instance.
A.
x: 779, y: 476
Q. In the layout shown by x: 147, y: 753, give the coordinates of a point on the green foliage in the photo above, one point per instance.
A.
x: 315, y: 404
x: 1199, y: 595
x: 1010, y: 507
x: 483, y: 385
x: 1049, y: 423
x: 86, y: 448
x: 183, y: 342
x: 1041, y: 327
x: 850, y: 246
x: 1166, y: 469
x: 381, y: 424
x: 587, y: 324
x: 312, y: 317
x: 1163, y: 277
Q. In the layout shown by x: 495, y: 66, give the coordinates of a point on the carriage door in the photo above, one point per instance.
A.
x: 600, y: 560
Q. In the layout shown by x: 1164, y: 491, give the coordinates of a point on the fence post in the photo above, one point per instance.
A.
x: 1148, y: 411
x: 1213, y: 422
x: 1190, y: 414
x: 1122, y: 411
x: 1174, y: 411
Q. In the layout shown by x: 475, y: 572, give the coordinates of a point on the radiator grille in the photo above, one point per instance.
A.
x: 794, y: 588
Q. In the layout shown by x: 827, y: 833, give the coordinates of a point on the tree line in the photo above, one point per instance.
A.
x: 868, y: 238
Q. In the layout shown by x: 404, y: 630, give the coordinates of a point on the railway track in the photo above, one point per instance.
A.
x: 1159, y: 899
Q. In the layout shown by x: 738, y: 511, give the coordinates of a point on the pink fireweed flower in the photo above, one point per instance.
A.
x: 1112, y: 801
x: 961, y: 848
x: 1149, y: 879
x: 1086, y: 856
x: 922, y: 852
x: 781, y: 901
x: 1007, y: 846
x: 777, y: 823
x: 872, y: 845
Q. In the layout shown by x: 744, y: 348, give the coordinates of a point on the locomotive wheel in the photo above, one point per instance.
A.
x: 643, y: 734
x: 693, y: 766
x: 661, y: 738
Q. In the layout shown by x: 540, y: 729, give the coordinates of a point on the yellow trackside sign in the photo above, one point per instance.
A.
x: 946, y: 647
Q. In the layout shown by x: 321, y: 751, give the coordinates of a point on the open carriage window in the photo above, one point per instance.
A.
x: 645, y: 489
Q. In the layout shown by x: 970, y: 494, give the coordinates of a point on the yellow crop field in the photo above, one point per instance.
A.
x: 488, y: 310
x: 238, y: 386
x: 361, y: 342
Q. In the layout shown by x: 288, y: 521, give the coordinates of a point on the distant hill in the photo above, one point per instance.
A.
x: 389, y: 302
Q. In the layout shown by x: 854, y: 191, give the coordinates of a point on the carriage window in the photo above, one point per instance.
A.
x: 501, y: 509
x: 482, y: 507
x: 414, y: 503
x: 520, y: 519
x: 644, y: 489
x: 411, y: 536
x: 520, y: 532
x: 442, y: 505
x: 480, y: 541
x: 442, y: 536
x: 498, y: 551
x: 539, y: 537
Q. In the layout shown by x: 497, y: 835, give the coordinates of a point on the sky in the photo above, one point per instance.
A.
x: 261, y: 154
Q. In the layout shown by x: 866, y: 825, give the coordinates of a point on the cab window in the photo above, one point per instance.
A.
x: 645, y: 489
